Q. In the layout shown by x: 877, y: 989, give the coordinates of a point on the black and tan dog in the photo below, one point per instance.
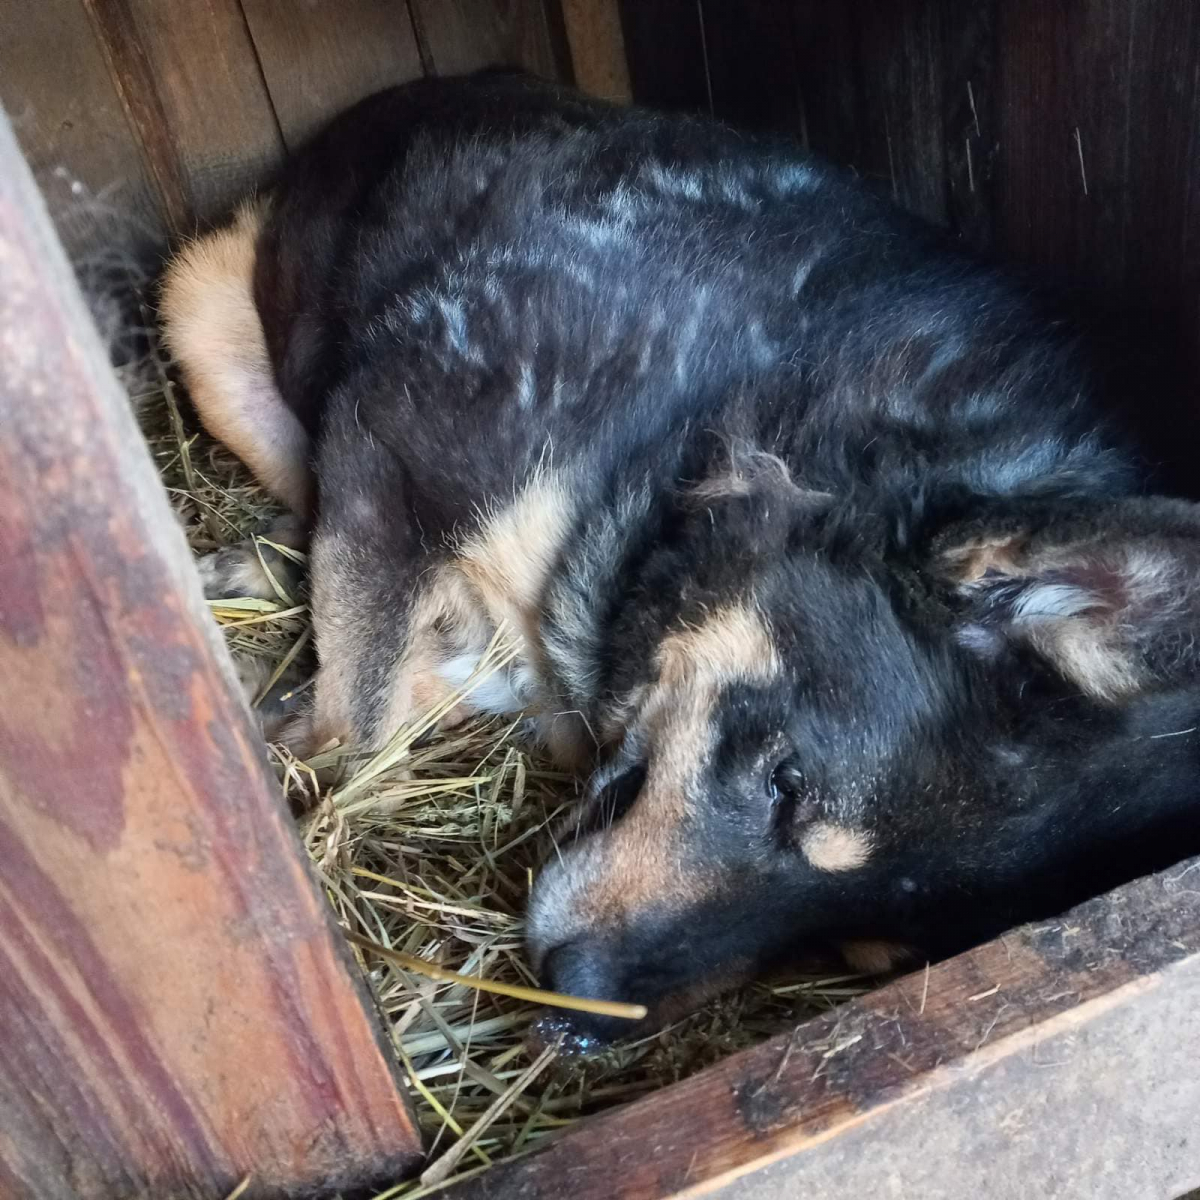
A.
x: 808, y: 528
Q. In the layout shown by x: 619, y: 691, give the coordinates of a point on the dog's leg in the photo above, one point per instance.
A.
x: 389, y: 607
x: 255, y: 568
x: 213, y: 329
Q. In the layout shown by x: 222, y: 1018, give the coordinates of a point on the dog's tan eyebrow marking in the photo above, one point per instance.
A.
x: 733, y: 643
x: 830, y: 847
x: 641, y: 868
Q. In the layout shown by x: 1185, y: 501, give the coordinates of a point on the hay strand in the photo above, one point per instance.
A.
x: 410, y: 962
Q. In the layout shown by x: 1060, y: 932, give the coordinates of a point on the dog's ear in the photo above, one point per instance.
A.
x: 1108, y: 593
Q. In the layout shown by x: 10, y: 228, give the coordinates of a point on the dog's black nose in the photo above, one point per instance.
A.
x: 585, y: 968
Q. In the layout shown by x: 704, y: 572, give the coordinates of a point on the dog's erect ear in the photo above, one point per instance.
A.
x: 1108, y: 593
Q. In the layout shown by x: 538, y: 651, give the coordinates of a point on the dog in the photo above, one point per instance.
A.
x: 824, y: 563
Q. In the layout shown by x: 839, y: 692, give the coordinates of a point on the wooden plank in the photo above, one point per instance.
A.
x: 319, y: 56
x: 73, y: 130
x: 901, y: 84
x: 1100, y: 110
x: 191, y: 84
x: 753, y: 71
x: 177, y: 1009
x: 597, y: 47
x: 464, y: 35
x: 664, y: 47
x: 1098, y: 115
x: 969, y: 133
x: 1057, y: 1060
x: 827, y: 68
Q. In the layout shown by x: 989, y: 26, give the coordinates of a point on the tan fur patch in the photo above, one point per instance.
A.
x: 495, y: 579
x: 445, y: 609
x: 509, y: 559
x: 639, y: 862
x: 830, y: 847
x: 213, y: 329
x: 340, y: 639
x: 974, y: 559
x: 1089, y: 656
x: 874, y: 958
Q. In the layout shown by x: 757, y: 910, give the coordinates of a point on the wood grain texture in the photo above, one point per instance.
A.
x: 597, y: 47
x: 1098, y: 185
x: 901, y: 83
x: 752, y: 66
x: 664, y: 47
x: 320, y: 56
x: 55, y: 85
x: 840, y: 1103
x: 191, y: 84
x: 176, y: 1007
x: 464, y: 35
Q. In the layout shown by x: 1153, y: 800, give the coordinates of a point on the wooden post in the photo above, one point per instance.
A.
x: 177, y: 1009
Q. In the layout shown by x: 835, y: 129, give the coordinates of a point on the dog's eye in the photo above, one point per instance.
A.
x: 784, y: 784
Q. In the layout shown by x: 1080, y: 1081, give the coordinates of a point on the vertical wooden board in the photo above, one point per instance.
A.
x: 969, y: 125
x: 190, y: 80
x: 900, y: 77
x: 464, y: 35
x: 827, y: 66
x: 320, y: 56
x: 1098, y: 113
x: 664, y: 45
x: 71, y: 125
x: 1062, y: 92
x: 752, y: 65
x: 597, y: 47
x: 177, y: 1009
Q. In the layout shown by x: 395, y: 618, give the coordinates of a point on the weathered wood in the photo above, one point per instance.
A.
x: 54, y: 81
x: 320, y: 56
x: 464, y: 35
x: 827, y: 74
x: 597, y: 47
x: 191, y: 84
x: 664, y: 47
x: 1057, y: 1060
x: 968, y: 119
x: 1098, y: 181
x: 900, y: 79
x: 752, y: 68
x: 177, y: 1009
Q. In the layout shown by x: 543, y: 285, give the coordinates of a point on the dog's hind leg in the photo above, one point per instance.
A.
x: 213, y: 328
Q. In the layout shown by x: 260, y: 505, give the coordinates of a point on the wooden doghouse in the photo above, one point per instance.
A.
x: 177, y: 1009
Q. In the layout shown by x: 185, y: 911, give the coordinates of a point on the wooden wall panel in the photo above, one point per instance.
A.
x: 463, y: 35
x: 320, y: 56
x: 190, y: 80
x: 752, y: 67
x: 597, y: 48
x: 901, y: 83
x: 67, y: 113
x: 664, y: 42
x: 177, y: 1009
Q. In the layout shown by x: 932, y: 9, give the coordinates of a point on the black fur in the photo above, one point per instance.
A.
x: 464, y: 281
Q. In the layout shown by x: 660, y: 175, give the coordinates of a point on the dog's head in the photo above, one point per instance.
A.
x: 817, y: 741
